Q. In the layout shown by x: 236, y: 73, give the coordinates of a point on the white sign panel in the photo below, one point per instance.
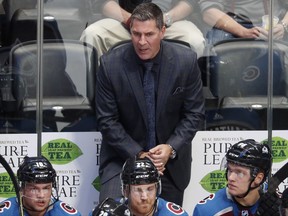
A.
x: 75, y: 157
x: 208, y: 149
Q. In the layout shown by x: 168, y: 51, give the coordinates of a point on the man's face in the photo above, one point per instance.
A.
x: 36, y: 197
x: 146, y: 38
x: 238, y: 179
x: 142, y: 198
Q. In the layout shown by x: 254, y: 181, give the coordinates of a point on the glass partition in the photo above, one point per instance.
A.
x: 243, y: 62
x: 68, y: 67
x: 49, y: 56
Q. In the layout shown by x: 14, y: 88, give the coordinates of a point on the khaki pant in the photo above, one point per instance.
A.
x: 104, y: 33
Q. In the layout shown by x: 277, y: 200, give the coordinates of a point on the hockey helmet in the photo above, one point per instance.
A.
x: 251, y: 154
x: 139, y: 171
x: 36, y: 170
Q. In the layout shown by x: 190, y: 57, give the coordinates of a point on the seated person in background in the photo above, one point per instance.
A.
x: 110, y: 207
x: 141, y: 186
x: 38, y: 191
x: 242, y: 19
x: 105, y: 33
x: 248, y: 164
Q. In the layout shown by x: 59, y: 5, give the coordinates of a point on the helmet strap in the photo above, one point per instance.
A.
x: 55, y: 199
x: 30, y: 209
x: 247, y: 192
x: 249, y: 189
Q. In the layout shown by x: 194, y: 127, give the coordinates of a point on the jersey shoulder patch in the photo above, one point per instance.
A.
x: 68, y: 208
x: 204, y: 201
x: 5, y: 206
x: 174, y: 208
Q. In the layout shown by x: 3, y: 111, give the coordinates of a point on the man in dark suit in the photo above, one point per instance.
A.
x: 121, y: 106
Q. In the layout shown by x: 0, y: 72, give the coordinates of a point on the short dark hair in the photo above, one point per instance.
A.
x: 148, y: 11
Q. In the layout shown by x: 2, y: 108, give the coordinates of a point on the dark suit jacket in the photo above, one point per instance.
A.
x: 121, y: 113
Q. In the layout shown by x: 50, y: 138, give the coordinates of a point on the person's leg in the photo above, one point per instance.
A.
x: 104, y: 33
x: 111, y: 188
x: 187, y: 31
x: 169, y: 191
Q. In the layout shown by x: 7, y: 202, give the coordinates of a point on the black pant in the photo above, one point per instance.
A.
x: 169, y: 190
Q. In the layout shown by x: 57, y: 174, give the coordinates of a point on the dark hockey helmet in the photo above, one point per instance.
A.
x: 251, y: 154
x: 36, y: 170
x: 110, y: 207
x: 139, y: 171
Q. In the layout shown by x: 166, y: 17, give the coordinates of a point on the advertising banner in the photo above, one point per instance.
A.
x: 208, y: 150
x: 14, y: 148
x: 75, y: 157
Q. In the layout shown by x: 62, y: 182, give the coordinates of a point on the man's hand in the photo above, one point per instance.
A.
x: 254, y: 32
x: 278, y: 31
x: 159, y: 165
x: 159, y: 155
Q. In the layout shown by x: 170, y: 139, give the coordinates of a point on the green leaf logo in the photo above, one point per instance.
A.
x: 61, y: 151
x: 96, y: 183
x: 213, y: 181
x: 7, y: 187
x: 279, y: 149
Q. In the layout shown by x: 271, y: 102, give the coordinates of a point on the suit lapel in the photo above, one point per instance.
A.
x: 132, y: 71
x: 165, y: 79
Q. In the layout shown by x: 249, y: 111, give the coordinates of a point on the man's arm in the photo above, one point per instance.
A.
x: 192, y: 113
x: 113, y: 10
x: 217, y: 18
x: 108, y: 117
x: 181, y: 10
x: 213, y: 14
x: 281, y: 28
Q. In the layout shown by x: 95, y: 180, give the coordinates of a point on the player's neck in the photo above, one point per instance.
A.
x: 249, y: 200
x: 33, y: 213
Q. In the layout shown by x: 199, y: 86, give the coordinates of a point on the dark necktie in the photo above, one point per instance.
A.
x: 149, y: 93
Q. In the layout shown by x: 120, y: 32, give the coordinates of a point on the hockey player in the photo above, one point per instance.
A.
x: 248, y: 164
x: 38, y: 191
x: 141, y: 186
